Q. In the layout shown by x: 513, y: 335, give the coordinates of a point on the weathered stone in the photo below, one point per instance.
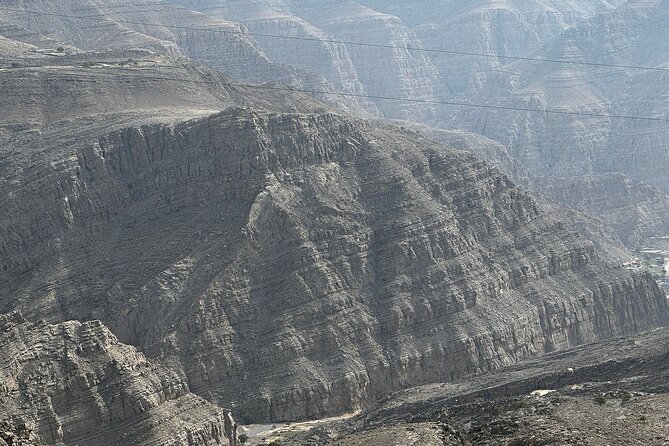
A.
x: 299, y: 265
x: 78, y: 385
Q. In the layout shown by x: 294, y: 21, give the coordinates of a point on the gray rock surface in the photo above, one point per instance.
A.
x: 356, y: 70
x: 161, y: 27
x: 298, y: 265
x: 13, y: 433
x: 569, y: 146
x: 614, y: 212
x: 73, y: 383
x: 278, y: 259
x: 574, y: 147
x: 545, y: 145
x: 635, y: 210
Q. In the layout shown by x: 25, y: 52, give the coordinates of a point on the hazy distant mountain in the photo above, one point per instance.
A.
x: 162, y: 27
x: 491, y: 27
x: 600, y: 32
x: 354, y: 69
x: 579, y: 145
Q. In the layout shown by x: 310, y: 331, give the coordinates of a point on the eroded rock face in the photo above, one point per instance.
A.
x: 497, y: 29
x: 161, y: 27
x: 571, y: 146
x: 17, y: 434
x: 295, y: 266
x: 575, y: 148
x: 614, y: 211
x: 635, y: 210
x: 286, y: 265
x: 74, y: 383
x: 356, y: 70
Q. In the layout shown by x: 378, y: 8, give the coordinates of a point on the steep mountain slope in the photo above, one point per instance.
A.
x: 580, y: 145
x: 493, y: 27
x: 74, y: 383
x: 356, y: 70
x: 317, y: 54
x: 394, y: 72
x: 635, y: 210
x: 297, y: 265
x: 55, y: 102
x: 614, y: 212
x: 282, y: 260
x: 537, y: 145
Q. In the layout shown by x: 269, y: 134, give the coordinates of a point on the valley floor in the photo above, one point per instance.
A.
x: 259, y: 434
x: 613, y: 393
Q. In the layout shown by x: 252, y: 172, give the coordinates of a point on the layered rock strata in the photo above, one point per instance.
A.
x: 295, y: 266
x: 315, y: 39
x: 636, y: 211
x: 629, y: 82
x: 160, y: 27
x: 74, y: 383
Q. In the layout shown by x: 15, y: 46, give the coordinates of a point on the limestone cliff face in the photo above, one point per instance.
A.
x: 576, y: 145
x: 394, y: 72
x: 613, y: 210
x: 491, y: 27
x: 541, y: 145
x: 74, y: 383
x: 284, y: 265
x: 635, y: 210
x: 298, y: 265
x: 318, y: 53
x: 352, y: 69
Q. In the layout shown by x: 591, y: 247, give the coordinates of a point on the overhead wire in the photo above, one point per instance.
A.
x: 339, y: 41
x: 385, y: 97
x: 326, y: 93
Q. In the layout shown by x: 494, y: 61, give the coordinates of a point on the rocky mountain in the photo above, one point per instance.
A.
x: 476, y: 46
x: 245, y: 247
x: 214, y: 244
x: 160, y: 27
x: 74, y: 383
x: 613, y: 211
x: 312, y: 46
x: 581, y: 145
x: 614, y: 169
x: 635, y: 210
x: 318, y: 32
x: 496, y: 29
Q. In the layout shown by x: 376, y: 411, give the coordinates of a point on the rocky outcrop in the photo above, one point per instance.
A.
x: 74, y: 383
x: 370, y: 70
x: 614, y: 229
x: 317, y: 53
x: 299, y: 265
x: 498, y: 29
x: 577, y: 147
x: 571, y: 146
x: 16, y: 434
x: 384, y: 72
x: 285, y: 265
x: 635, y: 210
